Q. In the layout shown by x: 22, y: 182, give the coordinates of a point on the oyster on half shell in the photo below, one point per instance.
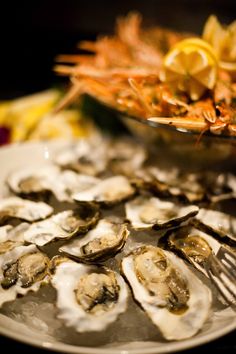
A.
x: 107, y: 192
x: 22, y: 269
x: 170, y: 182
x: 99, y: 244
x: 218, y: 224
x: 194, y: 245
x: 11, y: 237
x: 177, y: 302
x: 70, y: 182
x: 87, y: 156
x: 15, y: 207
x: 149, y: 212
x: 89, y: 298
x: 32, y: 182
x: 63, y: 225
x: 126, y: 156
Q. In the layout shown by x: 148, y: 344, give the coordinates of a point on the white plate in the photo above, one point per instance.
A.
x: 25, y: 321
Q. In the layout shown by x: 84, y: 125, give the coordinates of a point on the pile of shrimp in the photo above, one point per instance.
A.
x: 123, y: 72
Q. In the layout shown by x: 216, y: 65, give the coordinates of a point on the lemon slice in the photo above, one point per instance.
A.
x: 191, y: 66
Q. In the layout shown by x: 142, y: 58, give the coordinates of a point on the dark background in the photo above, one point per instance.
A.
x: 33, y: 32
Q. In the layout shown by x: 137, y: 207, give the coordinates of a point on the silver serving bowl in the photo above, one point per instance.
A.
x: 183, y: 147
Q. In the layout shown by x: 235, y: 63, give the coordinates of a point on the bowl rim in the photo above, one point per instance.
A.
x: 207, y: 135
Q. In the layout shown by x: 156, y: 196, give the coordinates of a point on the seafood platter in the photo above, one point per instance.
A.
x: 98, y: 238
x: 104, y: 242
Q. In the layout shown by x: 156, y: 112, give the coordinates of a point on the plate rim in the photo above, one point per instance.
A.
x: 165, y: 348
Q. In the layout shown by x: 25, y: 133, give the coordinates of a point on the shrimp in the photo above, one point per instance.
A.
x: 123, y: 72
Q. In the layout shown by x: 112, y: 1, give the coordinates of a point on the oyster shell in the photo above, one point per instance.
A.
x: 170, y: 183
x: 15, y: 207
x: 88, y: 156
x: 11, y: 237
x: 22, y: 269
x: 218, y: 224
x: 149, y: 212
x: 193, y: 187
x: 142, y: 179
x: 219, y: 186
x: 195, y: 245
x: 177, y: 302
x: 89, y: 298
x: 126, y: 156
x: 99, y: 244
x: 229, y: 183
x: 173, y: 183
x: 4, y: 230
x: 63, y: 225
x: 107, y: 192
x: 70, y: 183
x: 62, y: 184
x: 29, y: 180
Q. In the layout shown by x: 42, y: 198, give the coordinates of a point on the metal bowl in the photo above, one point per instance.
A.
x: 183, y: 147
x: 187, y: 149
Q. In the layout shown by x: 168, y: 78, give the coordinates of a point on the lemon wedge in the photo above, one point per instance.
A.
x: 67, y: 124
x: 26, y: 112
x: 4, y: 107
x: 191, y: 66
x: 22, y: 115
x: 223, y: 39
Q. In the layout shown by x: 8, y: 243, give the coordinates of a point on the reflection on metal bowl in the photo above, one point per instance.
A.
x: 185, y: 148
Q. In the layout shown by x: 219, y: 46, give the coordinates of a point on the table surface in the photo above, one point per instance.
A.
x: 226, y: 344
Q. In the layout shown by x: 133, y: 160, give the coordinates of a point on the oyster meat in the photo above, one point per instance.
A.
x: 99, y: 244
x: 63, y: 225
x: 108, y: 192
x: 22, y: 269
x: 149, y: 212
x: 89, y: 298
x: 195, y: 245
x: 177, y: 302
x: 15, y: 207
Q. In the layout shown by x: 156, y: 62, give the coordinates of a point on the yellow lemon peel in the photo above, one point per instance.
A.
x: 223, y: 39
x: 66, y: 124
x: 191, y: 66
